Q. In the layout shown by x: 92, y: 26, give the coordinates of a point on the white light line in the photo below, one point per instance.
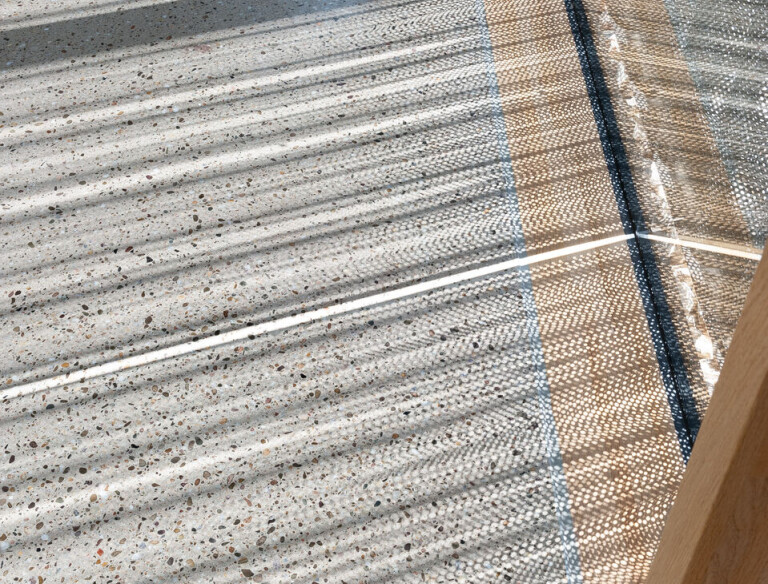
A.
x: 731, y: 251
x: 300, y: 319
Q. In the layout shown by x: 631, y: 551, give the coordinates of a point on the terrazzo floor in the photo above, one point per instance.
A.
x: 184, y: 169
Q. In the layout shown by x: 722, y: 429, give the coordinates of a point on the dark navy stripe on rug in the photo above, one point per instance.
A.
x: 668, y: 353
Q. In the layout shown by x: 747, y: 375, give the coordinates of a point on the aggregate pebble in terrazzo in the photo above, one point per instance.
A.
x: 387, y: 446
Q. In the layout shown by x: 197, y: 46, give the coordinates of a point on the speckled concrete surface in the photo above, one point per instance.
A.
x: 167, y: 188
x: 182, y: 168
x: 380, y: 447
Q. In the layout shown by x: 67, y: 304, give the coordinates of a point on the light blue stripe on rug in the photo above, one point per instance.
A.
x: 548, y: 429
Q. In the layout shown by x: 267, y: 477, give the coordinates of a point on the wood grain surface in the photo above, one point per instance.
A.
x: 717, y: 530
